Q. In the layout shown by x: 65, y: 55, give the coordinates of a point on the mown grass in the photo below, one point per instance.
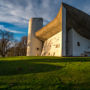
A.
x: 45, y: 73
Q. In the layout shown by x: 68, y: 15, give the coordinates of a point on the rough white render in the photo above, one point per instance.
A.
x: 74, y: 49
x: 34, y: 45
x: 64, y: 43
x: 53, y: 46
x: 56, y: 45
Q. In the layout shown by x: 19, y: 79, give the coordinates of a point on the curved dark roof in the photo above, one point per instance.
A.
x: 78, y: 20
x: 52, y: 28
x: 75, y: 18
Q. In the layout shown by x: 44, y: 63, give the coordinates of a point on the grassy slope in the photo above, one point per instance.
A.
x: 44, y: 73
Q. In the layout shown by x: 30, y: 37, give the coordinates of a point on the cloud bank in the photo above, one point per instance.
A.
x: 18, y: 12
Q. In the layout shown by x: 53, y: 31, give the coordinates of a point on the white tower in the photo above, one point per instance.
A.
x: 34, y: 45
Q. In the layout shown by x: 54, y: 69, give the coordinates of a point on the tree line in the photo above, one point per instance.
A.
x: 11, y: 47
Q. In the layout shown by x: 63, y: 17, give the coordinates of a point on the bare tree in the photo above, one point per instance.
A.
x: 19, y: 49
x: 5, y: 42
x: 13, y: 49
x: 22, y: 47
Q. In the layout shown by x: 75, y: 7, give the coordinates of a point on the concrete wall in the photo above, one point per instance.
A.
x: 70, y: 43
x: 56, y: 45
x: 34, y: 45
x: 53, y: 46
x: 74, y: 40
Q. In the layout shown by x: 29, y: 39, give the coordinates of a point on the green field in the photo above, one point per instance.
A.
x: 44, y: 73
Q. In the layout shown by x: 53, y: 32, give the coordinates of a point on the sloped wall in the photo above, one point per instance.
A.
x: 53, y: 46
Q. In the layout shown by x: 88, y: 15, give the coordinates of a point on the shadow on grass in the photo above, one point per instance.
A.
x: 34, y: 64
x: 58, y: 59
x: 24, y: 67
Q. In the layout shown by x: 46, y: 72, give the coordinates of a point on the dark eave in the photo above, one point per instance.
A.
x: 75, y: 18
x: 78, y: 20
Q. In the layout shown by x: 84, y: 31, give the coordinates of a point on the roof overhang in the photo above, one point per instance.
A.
x: 52, y: 28
x: 75, y: 18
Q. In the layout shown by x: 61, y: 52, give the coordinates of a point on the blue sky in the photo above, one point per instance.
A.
x: 15, y: 14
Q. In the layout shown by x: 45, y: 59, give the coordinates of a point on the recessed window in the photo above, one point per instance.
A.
x: 49, y: 54
x: 37, y: 48
x: 78, y: 43
x: 57, y: 46
x: 54, y: 54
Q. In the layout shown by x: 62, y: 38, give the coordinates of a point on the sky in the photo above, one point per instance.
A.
x: 15, y: 14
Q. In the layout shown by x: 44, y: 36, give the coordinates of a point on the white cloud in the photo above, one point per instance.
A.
x: 19, y: 12
x: 9, y: 30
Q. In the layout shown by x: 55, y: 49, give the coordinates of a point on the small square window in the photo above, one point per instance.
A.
x: 78, y: 43
x: 37, y: 48
x: 57, y: 46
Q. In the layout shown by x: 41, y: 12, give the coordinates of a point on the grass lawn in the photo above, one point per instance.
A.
x: 44, y: 73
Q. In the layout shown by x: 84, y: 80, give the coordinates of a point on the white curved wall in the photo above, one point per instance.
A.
x: 53, y: 46
x: 74, y: 49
